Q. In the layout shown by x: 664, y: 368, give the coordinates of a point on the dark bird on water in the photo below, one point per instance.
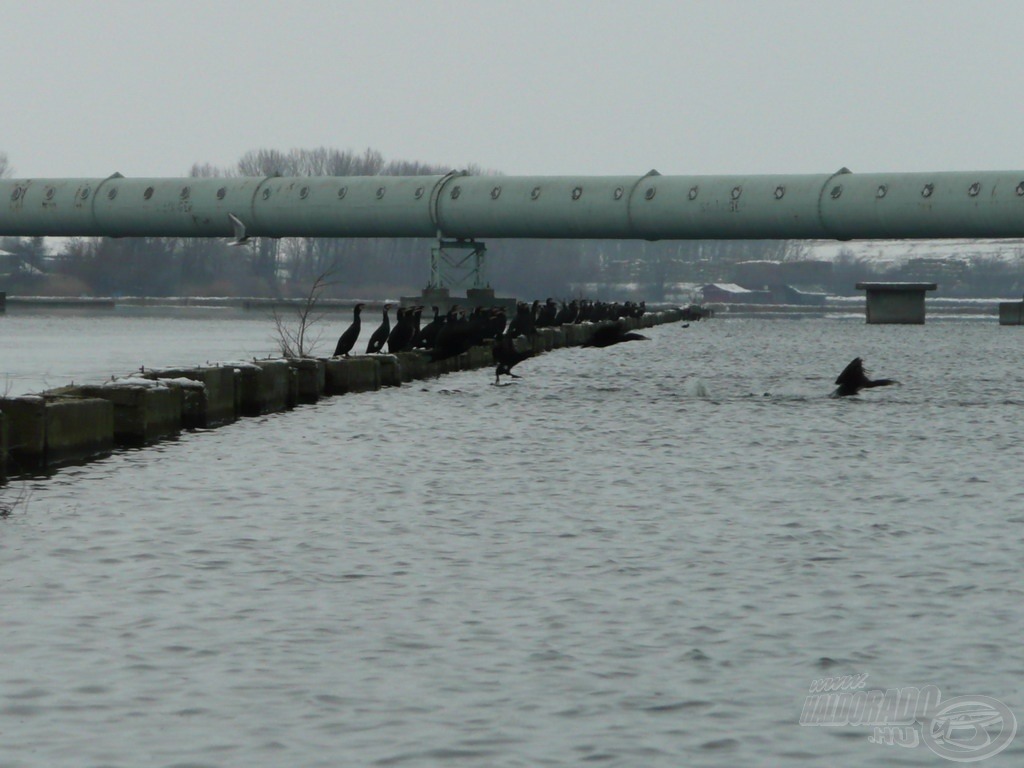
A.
x: 380, y: 336
x: 613, y: 333
x: 347, y: 340
x: 854, y: 378
x: 508, y: 357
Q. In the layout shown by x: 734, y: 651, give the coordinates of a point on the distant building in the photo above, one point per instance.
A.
x: 731, y: 293
x: 804, y: 273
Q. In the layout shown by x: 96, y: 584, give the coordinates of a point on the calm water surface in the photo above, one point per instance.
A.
x: 638, y: 556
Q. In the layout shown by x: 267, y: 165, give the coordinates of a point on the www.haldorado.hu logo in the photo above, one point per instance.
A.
x: 964, y: 729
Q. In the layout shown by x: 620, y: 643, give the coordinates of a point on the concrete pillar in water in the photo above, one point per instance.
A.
x: 3, y: 447
x: 26, y: 432
x: 78, y: 429
x: 1011, y: 313
x: 895, y: 303
x: 309, y: 380
x: 49, y: 431
x: 262, y: 386
x: 142, y: 414
x: 351, y: 374
x: 390, y: 370
x: 213, y: 404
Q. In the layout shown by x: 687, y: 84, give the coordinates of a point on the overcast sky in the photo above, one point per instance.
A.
x: 148, y: 87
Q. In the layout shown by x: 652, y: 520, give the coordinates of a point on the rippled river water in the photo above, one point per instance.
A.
x: 638, y: 556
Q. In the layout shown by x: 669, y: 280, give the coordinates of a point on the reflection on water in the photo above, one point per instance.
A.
x: 634, y: 556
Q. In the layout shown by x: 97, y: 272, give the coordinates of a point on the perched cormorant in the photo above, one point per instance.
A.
x: 523, y: 323
x: 613, y: 333
x: 348, y: 339
x: 853, y: 379
x: 425, y: 338
x: 458, y: 335
x: 381, y: 334
x: 401, y: 336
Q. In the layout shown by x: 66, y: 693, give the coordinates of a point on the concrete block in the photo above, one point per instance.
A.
x: 556, y: 339
x: 214, y: 404
x: 481, y: 356
x: 1011, y: 313
x: 543, y: 341
x: 26, y: 433
x: 143, y: 412
x: 351, y: 374
x: 3, y: 447
x: 275, y: 384
x: 309, y: 380
x: 390, y: 370
x: 78, y: 429
x: 895, y: 303
x: 576, y: 335
x: 415, y: 365
x: 262, y: 386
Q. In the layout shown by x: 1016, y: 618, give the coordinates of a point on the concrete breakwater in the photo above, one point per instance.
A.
x: 77, y: 423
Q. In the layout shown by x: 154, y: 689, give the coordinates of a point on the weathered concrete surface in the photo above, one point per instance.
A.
x: 415, y: 366
x: 309, y: 380
x: 895, y: 303
x: 143, y: 413
x: 78, y: 429
x: 1011, y: 313
x: 214, y: 405
x: 3, y: 447
x: 351, y: 374
x: 262, y: 387
x: 26, y: 433
x: 390, y: 370
x: 578, y: 335
x: 44, y: 432
x: 544, y: 340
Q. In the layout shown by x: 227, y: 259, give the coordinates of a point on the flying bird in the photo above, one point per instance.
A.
x: 854, y: 378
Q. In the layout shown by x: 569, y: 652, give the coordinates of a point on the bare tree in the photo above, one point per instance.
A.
x: 298, y: 336
x: 5, y: 168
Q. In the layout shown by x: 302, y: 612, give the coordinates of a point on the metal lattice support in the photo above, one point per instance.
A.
x: 458, y: 263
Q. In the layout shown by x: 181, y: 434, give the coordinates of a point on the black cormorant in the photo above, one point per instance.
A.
x: 853, y: 379
x: 613, y: 333
x: 425, y: 338
x: 380, y: 336
x: 507, y: 357
x: 401, y: 336
x: 348, y: 339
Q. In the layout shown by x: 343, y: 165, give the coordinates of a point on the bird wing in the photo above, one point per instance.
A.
x: 853, y: 374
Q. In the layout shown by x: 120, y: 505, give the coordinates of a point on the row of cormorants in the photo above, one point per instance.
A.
x: 457, y: 331
x: 450, y: 334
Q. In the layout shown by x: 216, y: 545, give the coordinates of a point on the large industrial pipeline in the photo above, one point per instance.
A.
x: 458, y: 206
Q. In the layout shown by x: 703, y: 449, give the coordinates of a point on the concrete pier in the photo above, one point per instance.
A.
x: 47, y: 432
x: 144, y: 410
x: 895, y: 303
x: 351, y: 374
x: 77, y: 423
